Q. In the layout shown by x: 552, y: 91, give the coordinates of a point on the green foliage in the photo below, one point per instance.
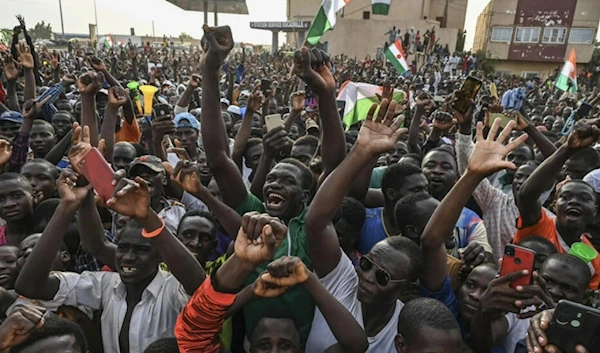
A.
x: 41, y: 30
x: 185, y: 37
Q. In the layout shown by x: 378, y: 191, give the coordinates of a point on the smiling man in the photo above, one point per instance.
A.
x: 575, y: 201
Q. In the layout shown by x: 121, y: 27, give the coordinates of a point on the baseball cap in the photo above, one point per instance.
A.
x: 225, y: 100
x: 149, y: 161
x: 12, y: 116
x: 168, y: 83
x: 103, y: 91
x: 186, y: 120
x: 311, y: 124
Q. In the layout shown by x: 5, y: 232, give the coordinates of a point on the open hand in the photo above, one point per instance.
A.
x: 80, y: 145
x: 378, y: 135
x: 488, y: 154
x: 117, y: 96
x: 6, y: 151
x: 298, y: 101
x: 255, y: 101
x: 54, y: 60
x: 25, y: 57
x: 218, y: 42
x: 131, y: 198
x: 11, y: 67
x: 259, y: 237
x: 90, y: 83
x: 312, y: 66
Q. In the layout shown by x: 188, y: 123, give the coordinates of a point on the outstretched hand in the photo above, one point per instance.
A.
x: 131, y: 197
x: 259, y: 237
x: 25, y: 57
x: 312, y: 66
x: 488, y: 154
x: 378, y: 135
x: 68, y: 190
x: 81, y: 145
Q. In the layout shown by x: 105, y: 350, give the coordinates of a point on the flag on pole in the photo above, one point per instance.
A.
x: 568, y: 74
x: 380, y: 7
x: 108, y: 41
x: 395, y: 56
x: 324, y: 20
x: 359, y: 98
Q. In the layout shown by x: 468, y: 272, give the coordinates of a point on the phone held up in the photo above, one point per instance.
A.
x: 98, y: 172
x: 272, y: 121
x: 517, y: 258
x: 574, y: 324
x: 468, y: 91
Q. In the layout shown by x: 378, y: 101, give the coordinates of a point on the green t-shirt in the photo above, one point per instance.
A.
x: 297, y: 300
x: 377, y: 177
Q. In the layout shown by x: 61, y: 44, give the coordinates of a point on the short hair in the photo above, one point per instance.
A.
x: 353, y: 212
x: 587, y: 155
x: 405, y: 209
x: 412, y: 251
x: 43, y: 213
x: 64, y: 112
x: 413, y: 156
x: 199, y: 213
x: 254, y: 141
x: 573, y: 262
x: 536, y: 239
x: 581, y: 182
x: 305, y: 173
x: 54, y: 326
x: 425, y: 312
x: 53, y: 168
x: 529, y: 148
x: 163, y: 345
x: 44, y: 123
x: 139, y: 149
x: 450, y: 150
x: 9, y: 176
x: 308, y: 140
x: 395, y: 175
x: 278, y: 313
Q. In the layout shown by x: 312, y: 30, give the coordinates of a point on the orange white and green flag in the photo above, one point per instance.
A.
x: 395, y: 56
x: 324, y: 20
x: 359, y: 97
x: 568, y: 74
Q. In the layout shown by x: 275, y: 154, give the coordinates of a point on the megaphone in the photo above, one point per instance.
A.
x: 133, y: 87
x: 148, y: 91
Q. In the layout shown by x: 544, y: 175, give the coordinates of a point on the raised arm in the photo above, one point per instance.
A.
x: 184, y: 101
x: 11, y: 73
x: 218, y: 43
x: 423, y: 103
x: 289, y: 271
x: 486, y: 159
x: 26, y: 61
x: 274, y: 142
x: 99, y: 66
x: 545, y: 146
x: 117, y: 97
x: 313, y: 67
x: 255, y: 101
x: 35, y: 280
x: 376, y: 136
x: 89, y: 84
x: 584, y: 134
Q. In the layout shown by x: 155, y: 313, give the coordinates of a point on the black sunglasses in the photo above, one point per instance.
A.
x: 381, y: 275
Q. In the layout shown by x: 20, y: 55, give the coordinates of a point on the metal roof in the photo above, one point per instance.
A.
x: 223, y: 6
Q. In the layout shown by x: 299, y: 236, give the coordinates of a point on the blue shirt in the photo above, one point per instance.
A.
x: 373, y: 231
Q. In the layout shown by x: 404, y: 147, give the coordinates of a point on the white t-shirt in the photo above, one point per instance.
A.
x: 342, y: 283
x: 517, y: 329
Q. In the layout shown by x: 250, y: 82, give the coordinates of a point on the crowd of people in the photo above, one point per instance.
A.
x: 222, y: 232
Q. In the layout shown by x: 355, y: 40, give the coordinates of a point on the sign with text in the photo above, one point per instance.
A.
x: 282, y: 26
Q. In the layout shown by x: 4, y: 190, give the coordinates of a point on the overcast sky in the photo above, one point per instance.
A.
x: 117, y: 16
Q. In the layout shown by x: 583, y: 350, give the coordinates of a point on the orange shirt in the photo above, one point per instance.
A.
x: 546, y: 228
x: 129, y: 132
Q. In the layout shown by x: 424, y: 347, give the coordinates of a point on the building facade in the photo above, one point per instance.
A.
x: 358, y: 32
x: 533, y: 37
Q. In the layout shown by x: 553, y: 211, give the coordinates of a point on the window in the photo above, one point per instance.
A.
x: 527, y: 35
x: 501, y: 34
x: 530, y: 74
x: 554, y: 35
x: 366, y: 15
x: 581, y: 36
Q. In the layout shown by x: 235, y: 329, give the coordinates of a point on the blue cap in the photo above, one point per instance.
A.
x: 186, y: 120
x: 12, y: 116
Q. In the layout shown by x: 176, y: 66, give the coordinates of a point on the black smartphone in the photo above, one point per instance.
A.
x: 584, y: 109
x: 574, y: 324
x: 161, y: 110
x: 265, y: 85
x: 468, y: 91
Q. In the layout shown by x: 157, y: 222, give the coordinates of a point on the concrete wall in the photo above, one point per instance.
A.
x: 518, y: 67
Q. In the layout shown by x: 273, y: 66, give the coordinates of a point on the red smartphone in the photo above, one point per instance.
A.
x: 517, y: 258
x: 468, y: 91
x: 98, y: 172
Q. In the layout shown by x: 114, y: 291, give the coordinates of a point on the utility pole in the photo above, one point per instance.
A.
x: 153, y: 35
x: 96, y: 17
x: 62, y: 23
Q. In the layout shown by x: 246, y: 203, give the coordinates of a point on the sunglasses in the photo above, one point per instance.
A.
x: 381, y: 275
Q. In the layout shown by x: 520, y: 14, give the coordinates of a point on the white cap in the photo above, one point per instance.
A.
x: 225, y: 100
x: 234, y: 109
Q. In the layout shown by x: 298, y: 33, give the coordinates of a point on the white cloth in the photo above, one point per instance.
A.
x: 342, y: 283
x: 152, y: 318
x: 192, y: 203
x: 172, y: 214
x: 517, y: 329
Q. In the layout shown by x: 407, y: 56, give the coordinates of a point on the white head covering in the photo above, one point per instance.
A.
x: 593, y: 179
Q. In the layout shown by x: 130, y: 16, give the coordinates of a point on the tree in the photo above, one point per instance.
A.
x: 41, y: 31
x: 184, y: 36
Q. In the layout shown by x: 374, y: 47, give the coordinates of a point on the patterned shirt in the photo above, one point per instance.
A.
x: 84, y: 261
x: 20, y: 151
x: 49, y: 109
